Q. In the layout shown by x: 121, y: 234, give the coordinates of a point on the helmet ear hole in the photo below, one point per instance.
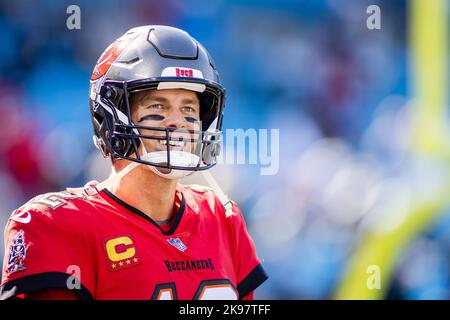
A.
x: 118, y: 145
x: 124, y: 147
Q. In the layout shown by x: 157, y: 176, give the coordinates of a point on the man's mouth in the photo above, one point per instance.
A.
x: 173, y: 145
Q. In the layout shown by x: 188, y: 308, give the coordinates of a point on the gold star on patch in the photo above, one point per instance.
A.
x: 128, y: 261
x: 121, y: 263
x: 113, y: 265
x: 135, y: 259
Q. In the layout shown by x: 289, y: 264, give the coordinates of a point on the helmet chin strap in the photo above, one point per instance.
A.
x: 174, y: 174
x: 94, y: 187
x: 177, y: 158
x: 227, y: 204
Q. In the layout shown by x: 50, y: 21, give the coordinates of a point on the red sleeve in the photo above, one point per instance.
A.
x: 46, y: 249
x: 250, y: 273
x: 250, y: 296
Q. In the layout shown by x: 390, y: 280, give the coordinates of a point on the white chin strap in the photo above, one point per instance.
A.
x: 177, y: 158
x: 182, y: 157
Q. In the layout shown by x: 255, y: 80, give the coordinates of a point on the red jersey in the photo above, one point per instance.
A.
x: 104, y: 248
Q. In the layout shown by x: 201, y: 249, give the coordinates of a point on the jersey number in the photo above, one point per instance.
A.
x: 219, y: 289
x: 54, y: 200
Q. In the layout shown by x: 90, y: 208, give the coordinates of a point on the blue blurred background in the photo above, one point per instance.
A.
x: 338, y: 92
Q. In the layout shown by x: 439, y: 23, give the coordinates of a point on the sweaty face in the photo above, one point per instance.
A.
x: 170, y: 108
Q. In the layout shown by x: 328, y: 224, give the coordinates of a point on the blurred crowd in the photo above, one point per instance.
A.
x: 337, y: 91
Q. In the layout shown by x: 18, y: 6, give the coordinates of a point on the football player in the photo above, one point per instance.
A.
x: 157, y: 105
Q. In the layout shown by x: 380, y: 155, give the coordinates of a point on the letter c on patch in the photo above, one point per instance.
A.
x: 114, y: 255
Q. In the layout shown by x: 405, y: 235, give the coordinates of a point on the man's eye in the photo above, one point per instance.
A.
x: 156, y: 106
x: 188, y: 109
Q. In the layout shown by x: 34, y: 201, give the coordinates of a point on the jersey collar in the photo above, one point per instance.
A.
x: 138, y: 212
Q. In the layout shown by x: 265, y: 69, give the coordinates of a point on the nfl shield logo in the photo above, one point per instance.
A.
x: 177, y: 243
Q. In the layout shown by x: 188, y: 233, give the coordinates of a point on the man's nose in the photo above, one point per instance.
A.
x: 175, y: 120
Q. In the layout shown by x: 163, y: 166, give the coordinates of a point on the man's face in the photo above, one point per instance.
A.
x: 170, y: 108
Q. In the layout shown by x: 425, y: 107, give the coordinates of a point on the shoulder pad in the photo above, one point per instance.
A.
x: 52, y: 200
x: 89, y: 189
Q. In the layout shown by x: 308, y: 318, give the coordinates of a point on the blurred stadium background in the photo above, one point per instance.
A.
x: 363, y: 178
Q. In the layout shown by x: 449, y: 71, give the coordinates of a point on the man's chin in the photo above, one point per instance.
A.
x: 163, y: 170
